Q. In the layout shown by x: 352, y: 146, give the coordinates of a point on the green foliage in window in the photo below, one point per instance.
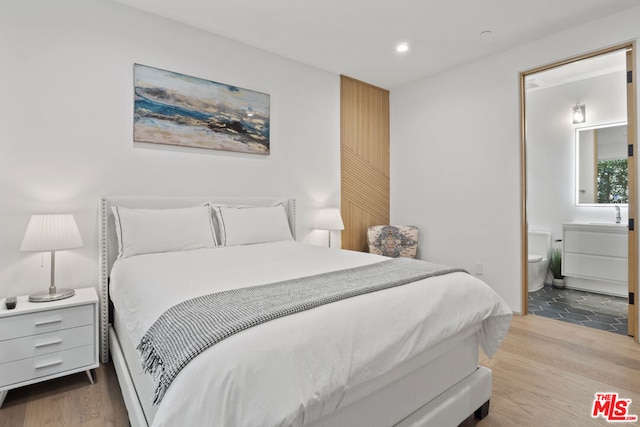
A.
x: 612, y: 181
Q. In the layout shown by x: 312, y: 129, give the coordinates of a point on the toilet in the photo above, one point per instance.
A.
x: 539, y: 252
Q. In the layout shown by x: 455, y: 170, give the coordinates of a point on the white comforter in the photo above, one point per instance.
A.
x: 293, y: 370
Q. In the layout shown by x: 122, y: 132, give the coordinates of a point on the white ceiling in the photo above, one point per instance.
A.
x: 358, y: 37
x: 587, y: 68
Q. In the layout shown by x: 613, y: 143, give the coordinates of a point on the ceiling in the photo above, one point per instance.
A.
x: 584, y: 69
x: 358, y: 37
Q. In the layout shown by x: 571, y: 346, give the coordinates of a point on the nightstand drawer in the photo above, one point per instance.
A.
x: 37, y: 345
x: 46, y: 321
x: 49, y: 364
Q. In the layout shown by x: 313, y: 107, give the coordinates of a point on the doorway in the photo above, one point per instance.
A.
x: 561, y: 189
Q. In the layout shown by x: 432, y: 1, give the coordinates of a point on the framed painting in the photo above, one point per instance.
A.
x: 176, y: 109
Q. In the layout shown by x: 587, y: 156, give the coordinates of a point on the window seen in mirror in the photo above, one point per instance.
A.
x: 612, y: 181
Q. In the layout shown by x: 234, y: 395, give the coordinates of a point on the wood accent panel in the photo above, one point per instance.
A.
x: 364, y: 157
x: 632, y: 165
x: 361, y: 182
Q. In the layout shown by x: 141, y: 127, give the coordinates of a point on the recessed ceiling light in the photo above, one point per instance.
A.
x: 486, y: 33
x: 402, y: 47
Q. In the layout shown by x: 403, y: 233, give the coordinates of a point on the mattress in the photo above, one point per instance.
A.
x: 314, y: 367
x: 382, y: 402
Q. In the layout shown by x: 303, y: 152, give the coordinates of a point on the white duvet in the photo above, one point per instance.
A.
x: 294, y: 370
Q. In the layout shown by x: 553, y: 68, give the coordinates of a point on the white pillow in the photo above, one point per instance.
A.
x: 249, y: 225
x: 143, y: 231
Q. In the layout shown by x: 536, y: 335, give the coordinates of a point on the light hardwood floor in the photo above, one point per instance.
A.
x: 69, y: 401
x: 545, y: 374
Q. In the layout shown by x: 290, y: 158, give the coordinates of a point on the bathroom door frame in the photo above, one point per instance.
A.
x: 629, y: 47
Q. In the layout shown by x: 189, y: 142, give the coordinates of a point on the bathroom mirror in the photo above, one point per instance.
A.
x: 601, y: 165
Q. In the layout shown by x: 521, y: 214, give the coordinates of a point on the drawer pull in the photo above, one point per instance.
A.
x: 48, y: 364
x: 48, y: 343
x: 48, y: 321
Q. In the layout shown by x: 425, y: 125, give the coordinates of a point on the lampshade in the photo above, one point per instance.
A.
x: 329, y: 219
x: 53, y: 232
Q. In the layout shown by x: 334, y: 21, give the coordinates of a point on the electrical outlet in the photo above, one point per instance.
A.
x: 479, y: 269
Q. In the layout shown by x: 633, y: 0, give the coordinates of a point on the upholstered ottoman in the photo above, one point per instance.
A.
x: 393, y: 241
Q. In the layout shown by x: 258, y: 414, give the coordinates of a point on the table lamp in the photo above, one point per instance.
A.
x: 53, y: 232
x: 329, y: 219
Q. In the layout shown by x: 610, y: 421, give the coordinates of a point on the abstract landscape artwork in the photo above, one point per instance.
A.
x: 176, y: 109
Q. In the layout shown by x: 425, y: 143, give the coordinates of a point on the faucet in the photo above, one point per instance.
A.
x: 618, y: 217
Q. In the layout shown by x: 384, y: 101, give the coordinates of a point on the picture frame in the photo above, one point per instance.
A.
x: 177, y: 109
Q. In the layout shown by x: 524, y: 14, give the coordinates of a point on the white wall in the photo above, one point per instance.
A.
x: 551, y: 148
x: 455, y: 153
x: 66, y: 126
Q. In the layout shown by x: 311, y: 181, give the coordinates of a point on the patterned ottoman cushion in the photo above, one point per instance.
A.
x: 393, y: 241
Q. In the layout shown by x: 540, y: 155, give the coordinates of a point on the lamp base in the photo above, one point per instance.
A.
x: 46, y: 296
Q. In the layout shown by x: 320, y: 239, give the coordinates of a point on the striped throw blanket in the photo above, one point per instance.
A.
x: 190, y: 327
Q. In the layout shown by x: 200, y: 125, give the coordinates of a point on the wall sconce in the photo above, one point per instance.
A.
x: 579, y: 113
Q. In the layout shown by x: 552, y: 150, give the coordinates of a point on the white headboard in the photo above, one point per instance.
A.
x: 108, y: 238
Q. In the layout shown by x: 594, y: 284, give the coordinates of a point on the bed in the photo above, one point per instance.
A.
x: 402, y: 356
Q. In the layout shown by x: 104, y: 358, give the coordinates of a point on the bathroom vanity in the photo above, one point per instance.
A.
x: 597, y: 252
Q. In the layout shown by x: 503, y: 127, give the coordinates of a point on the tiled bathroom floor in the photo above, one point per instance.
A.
x: 605, y: 312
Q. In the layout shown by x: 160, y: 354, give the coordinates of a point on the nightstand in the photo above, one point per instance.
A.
x: 45, y: 340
